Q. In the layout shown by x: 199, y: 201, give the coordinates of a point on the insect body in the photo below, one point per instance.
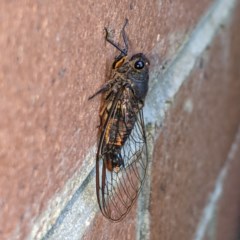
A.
x: 121, y: 160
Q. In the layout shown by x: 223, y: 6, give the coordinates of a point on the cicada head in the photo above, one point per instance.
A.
x: 138, y: 74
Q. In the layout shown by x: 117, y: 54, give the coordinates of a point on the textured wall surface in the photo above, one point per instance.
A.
x: 195, y: 139
x: 54, y: 56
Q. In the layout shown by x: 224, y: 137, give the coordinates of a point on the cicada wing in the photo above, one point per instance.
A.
x: 118, y: 190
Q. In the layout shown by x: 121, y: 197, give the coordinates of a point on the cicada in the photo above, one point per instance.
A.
x: 121, y: 159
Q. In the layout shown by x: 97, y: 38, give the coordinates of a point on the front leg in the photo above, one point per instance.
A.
x: 105, y: 87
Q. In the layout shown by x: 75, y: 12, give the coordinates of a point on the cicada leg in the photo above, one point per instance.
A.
x: 124, y: 50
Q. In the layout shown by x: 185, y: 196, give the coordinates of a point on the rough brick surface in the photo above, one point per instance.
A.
x: 227, y: 216
x: 53, y: 56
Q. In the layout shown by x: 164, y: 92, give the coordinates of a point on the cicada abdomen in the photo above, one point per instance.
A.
x: 121, y: 160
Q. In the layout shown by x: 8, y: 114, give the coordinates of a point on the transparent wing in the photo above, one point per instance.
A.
x: 118, y: 190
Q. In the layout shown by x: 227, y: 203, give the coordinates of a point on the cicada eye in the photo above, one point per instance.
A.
x: 139, y: 64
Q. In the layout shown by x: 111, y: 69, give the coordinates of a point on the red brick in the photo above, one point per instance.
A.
x: 102, y: 228
x: 225, y: 222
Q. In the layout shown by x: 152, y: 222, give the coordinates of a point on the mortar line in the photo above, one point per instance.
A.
x: 208, y: 212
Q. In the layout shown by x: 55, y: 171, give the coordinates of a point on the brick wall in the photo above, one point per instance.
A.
x: 54, y: 56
